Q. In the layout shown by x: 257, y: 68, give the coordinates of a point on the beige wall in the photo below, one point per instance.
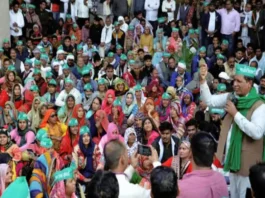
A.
x: 4, y: 20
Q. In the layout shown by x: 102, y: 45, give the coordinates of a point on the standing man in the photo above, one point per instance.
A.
x: 44, y: 17
x: 151, y: 8
x: 106, y: 36
x: 82, y: 11
x: 16, y: 21
x: 183, y: 12
x: 230, y: 24
x: 169, y: 7
x: 242, y: 131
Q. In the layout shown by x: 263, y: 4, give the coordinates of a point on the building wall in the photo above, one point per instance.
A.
x: 4, y: 20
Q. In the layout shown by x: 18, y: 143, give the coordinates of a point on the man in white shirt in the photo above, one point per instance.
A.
x: 169, y: 6
x: 16, y: 20
x: 106, y: 36
x: 116, y: 159
x: 68, y: 89
x: 151, y: 8
x: 82, y: 11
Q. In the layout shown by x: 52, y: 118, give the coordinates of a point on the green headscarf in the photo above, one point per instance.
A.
x: 233, y: 160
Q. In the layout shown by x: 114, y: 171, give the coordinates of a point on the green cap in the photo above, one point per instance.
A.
x: 44, y: 57
x: 19, y: 43
x: 118, y: 46
x: 217, y: 111
x: 11, y: 68
x: 28, y: 62
x: 73, y: 122
x: 69, y: 80
x: 166, y: 96
x: 87, y: 87
x: 42, y: 133
x: 166, y: 54
x: 37, y: 62
x: 245, y: 70
x: 52, y: 82
x: 68, y: 16
x: 48, y: 74
x: 23, y: 5
x: 94, y: 50
x: 225, y: 42
x: 85, y: 71
x: 60, y: 48
x: 66, y: 173
x: 1, y: 49
x: 221, y: 87
x: 130, y: 52
x: 205, y: 3
x: 74, y: 26
x: 42, y: 50
x: 34, y: 88
x: 116, y: 103
x: 131, y: 62
x: 22, y: 116
x: 46, y: 143
x: 31, y: 6
x: 79, y: 47
x: 65, y: 66
x: 159, y: 30
x: 202, y: 49
x: 84, y: 129
x: 102, y: 81
x: 36, y: 71
x: 161, y: 19
x: 197, y: 31
x: 116, y: 23
x: 18, y: 189
x: 130, y: 27
x: 175, y: 29
x: 137, y: 87
x: 220, y: 56
x: 110, y: 54
x: 191, y: 31
x: 123, y: 57
x: 5, y: 40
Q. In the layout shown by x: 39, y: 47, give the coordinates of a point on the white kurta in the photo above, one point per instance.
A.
x: 61, y: 99
x: 16, y: 18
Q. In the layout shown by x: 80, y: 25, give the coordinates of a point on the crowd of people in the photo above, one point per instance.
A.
x: 133, y: 98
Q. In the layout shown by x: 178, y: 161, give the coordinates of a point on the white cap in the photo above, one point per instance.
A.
x: 55, y: 63
x: 60, y: 52
x: 182, y: 65
x: 224, y: 75
x: 120, y: 18
x: 70, y: 56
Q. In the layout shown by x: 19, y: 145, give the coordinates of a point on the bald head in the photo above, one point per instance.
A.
x: 113, y: 151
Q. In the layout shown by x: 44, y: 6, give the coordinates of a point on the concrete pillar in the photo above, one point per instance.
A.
x: 4, y: 20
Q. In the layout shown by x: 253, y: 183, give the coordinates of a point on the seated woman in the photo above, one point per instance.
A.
x: 69, y: 141
x: 153, y: 90
x: 149, y: 110
x: 181, y: 163
x: 79, y: 114
x: 17, y: 95
x: 102, y: 88
x: 188, y: 107
x: 129, y: 107
x: 117, y: 116
x: 22, y: 135
x: 54, y: 128
x: 176, y: 119
x: 5, y: 177
x: 139, y: 96
x: 86, y: 155
x: 164, y: 107
x: 10, y: 80
x: 65, y: 112
x: 34, y: 115
x: 101, y: 123
x: 108, y: 101
x: 160, y: 43
x: 150, y: 131
x: 130, y: 140
x: 9, y: 116
x: 146, y: 40
x: 7, y: 146
x: 180, y: 86
x: 112, y: 134
x: 120, y: 87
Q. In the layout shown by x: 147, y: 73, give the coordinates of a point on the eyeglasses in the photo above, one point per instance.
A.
x: 54, y: 115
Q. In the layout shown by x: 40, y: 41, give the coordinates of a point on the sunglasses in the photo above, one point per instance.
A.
x: 53, y: 115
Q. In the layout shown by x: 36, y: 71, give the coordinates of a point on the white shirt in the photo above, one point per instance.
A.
x: 16, y: 18
x: 151, y: 7
x: 169, y: 5
x: 82, y: 10
x: 254, y: 128
x: 124, y: 27
x: 129, y: 190
x: 60, y: 100
x: 211, y: 26
x: 106, y: 35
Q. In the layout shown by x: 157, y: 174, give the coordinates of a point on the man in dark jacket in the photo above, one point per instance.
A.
x: 44, y: 17
x: 211, y: 25
x: 166, y: 145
